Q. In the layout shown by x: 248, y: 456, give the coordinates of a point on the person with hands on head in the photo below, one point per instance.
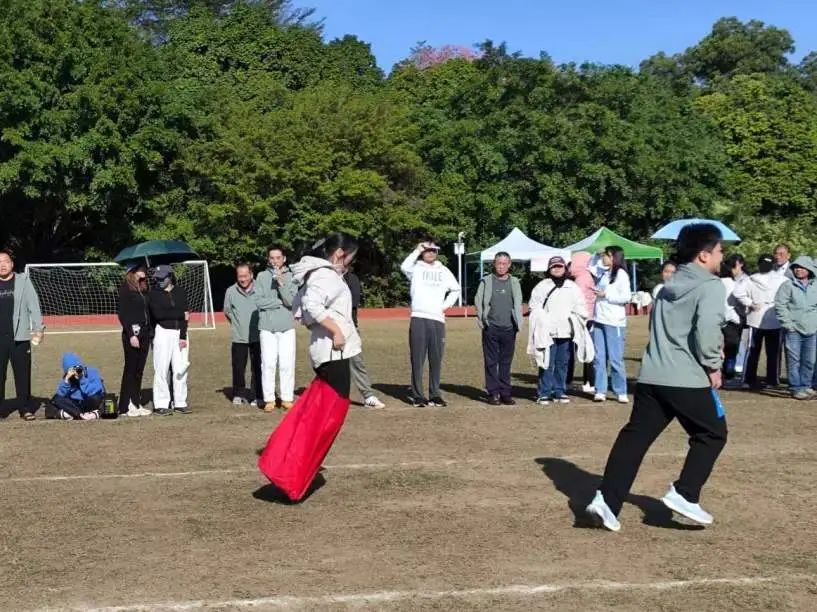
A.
x: 796, y: 308
x: 169, y: 310
x: 21, y: 325
x: 680, y: 371
x: 133, y: 310
x: 433, y: 290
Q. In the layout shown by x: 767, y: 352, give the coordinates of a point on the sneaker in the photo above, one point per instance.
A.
x: 543, y: 401
x: 89, y: 416
x: 600, y: 512
x: 254, y: 404
x: 269, y: 407
x: 438, y: 402
x: 599, y: 397
x: 373, y: 402
x: 561, y: 399
x: 588, y: 388
x: 65, y: 416
x: 133, y: 411
x: 676, y: 502
x: 163, y: 411
x: 508, y: 401
x: 239, y: 401
x: 493, y: 400
x: 418, y: 402
x: 623, y: 399
x: 803, y: 394
x: 182, y: 409
x: 286, y: 405
x: 144, y: 411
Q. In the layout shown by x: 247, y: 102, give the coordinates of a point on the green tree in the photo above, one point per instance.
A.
x: 82, y: 136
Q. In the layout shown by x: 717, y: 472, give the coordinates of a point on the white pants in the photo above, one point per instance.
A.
x: 278, y: 352
x: 166, y: 352
x: 743, y: 351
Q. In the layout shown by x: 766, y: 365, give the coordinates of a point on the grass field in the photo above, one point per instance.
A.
x: 469, y: 507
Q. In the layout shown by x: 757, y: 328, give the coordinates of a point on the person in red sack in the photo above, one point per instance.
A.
x: 295, y: 450
x: 325, y: 307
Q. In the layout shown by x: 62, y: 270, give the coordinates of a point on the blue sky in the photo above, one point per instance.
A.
x: 605, y: 31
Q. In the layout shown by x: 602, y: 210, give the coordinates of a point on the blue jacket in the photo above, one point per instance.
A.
x: 89, y: 385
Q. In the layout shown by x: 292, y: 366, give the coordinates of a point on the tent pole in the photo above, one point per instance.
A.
x: 635, y: 283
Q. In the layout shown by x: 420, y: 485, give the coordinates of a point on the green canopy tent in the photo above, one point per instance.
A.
x: 634, y: 251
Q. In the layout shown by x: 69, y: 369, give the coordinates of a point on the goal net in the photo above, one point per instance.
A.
x: 83, y: 297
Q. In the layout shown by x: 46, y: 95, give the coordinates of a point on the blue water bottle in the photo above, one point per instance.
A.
x: 718, y: 405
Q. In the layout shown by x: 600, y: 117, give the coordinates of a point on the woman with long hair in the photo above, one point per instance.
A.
x: 326, y: 309
x: 134, y: 315
x: 610, y: 321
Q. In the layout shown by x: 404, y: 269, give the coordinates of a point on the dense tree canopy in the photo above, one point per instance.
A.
x: 235, y: 124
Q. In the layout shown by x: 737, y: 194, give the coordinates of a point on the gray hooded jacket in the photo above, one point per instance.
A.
x: 685, y: 331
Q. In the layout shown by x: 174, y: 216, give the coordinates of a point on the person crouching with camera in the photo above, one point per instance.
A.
x: 169, y: 310
x: 80, y: 392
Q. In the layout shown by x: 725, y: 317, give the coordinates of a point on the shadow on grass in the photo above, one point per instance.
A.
x: 272, y: 494
x: 579, y: 486
x: 12, y: 406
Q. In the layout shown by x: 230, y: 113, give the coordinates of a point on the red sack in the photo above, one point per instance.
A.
x: 296, y: 449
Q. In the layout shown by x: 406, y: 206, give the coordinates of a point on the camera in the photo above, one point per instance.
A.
x: 79, y: 371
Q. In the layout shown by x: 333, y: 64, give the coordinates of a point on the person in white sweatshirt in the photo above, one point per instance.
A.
x: 324, y: 305
x: 433, y: 290
x: 610, y: 321
x: 560, y: 298
x: 757, y: 296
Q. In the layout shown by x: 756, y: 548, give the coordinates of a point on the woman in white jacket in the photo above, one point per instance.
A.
x: 610, y: 321
x: 560, y: 298
x: 324, y: 305
x: 757, y: 296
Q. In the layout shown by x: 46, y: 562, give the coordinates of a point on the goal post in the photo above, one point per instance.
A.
x: 83, y: 297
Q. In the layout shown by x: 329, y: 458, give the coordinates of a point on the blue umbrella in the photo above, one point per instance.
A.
x: 671, y: 230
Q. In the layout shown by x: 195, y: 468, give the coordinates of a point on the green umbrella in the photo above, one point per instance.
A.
x: 156, y: 251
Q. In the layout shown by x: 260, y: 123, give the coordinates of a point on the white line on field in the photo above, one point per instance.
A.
x: 381, y: 597
x: 436, y: 463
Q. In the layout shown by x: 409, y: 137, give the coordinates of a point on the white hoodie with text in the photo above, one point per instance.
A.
x: 433, y: 287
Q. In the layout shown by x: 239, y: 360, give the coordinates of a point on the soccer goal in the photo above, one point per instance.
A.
x: 83, y: 297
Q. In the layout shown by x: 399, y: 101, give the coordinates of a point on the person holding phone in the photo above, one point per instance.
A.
x: 610, y: 321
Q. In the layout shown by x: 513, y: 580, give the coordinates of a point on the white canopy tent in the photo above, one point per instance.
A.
x: 522, y: 248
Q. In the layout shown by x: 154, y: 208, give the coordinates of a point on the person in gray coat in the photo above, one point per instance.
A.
x: 796, y: 308
x: 21, y: 324
x: 499, y: 316
x: 241, y: 312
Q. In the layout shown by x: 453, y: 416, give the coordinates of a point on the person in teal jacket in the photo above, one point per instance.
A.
x: 796, y: 306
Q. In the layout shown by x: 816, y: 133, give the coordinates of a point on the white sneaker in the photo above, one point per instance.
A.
x: 623, y: 399
x: 254, y: 404
x: 676, y: 502
x: 239, y: 401
x: 599, y: 509
x: 561, y: 399
x: 373, y: 402
x: 144, y: 411
x: 588, y: 388
x: 133, y: 411
x: 599, y: 397
x: 543, y: 401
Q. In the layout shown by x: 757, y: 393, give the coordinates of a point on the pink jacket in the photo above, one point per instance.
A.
x: 585, y: 280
